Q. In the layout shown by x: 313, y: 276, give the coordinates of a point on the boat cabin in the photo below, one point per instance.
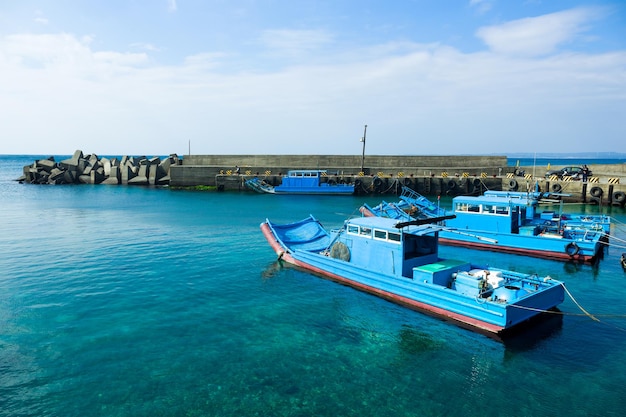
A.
x: 303, y: 178
x: 491, y: 213
x: 376, y: 244
x: 311, y: 181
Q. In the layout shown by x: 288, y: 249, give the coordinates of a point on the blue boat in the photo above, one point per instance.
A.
x: 303, y: 181
x: 588, y: 221
x: 411, y: 205
x: 399, y: 261
x: 512, y: 224
x: 510, y: 221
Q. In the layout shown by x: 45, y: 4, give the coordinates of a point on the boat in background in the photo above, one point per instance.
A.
x: 510, y: 221
x: 411, y: 205
x: 512, y: 225
x: 399, y: 261
x: 303, y: 181
x: 588, y: 221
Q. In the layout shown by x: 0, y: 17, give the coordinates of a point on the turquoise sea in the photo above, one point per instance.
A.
x: 132, y: 301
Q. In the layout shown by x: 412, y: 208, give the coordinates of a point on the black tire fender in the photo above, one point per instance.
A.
x: 572, y: 249
x: 596, y: 191
x: 619, y: 197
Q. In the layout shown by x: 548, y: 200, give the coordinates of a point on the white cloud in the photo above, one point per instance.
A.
x: 537, y: 35
x: 59, y: 94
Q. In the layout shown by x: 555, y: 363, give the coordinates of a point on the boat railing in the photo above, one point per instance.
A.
x: 583, y: 233
x: 410, y: 193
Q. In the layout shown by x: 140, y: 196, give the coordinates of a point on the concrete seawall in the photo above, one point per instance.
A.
x: 205, y: 169
x: 428, y: 175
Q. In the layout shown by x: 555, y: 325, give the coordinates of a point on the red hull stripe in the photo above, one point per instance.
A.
x: 405, y: 301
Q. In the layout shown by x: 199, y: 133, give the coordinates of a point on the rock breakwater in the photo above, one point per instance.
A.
x: 91, y: 169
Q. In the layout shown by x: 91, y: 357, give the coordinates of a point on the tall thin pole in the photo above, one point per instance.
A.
x: 363, y: 154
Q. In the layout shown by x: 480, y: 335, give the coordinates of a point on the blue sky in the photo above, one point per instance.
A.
x: 304, y: 77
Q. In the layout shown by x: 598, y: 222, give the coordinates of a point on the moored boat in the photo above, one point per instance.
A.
x: 303, y: 181
x: 512, y: 222
x: 513, y: 227
x: 399, y: 261
x: 411, y: 205
x: 536, y: 198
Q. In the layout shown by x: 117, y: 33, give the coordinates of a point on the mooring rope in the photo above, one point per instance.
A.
x: 613, y: 238
x: 591, y: 316
x: 585, y: 313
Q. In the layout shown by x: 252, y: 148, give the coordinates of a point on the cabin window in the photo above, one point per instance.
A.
x: 380, y: 234
x: 494, y: 209
x: 395, y: 237
x: 502, y: 210
x: 353, y: 230
x: 365, y: 231
x: 468, y: 207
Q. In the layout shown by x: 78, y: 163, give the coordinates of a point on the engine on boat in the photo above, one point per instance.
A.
x: 478, y: 282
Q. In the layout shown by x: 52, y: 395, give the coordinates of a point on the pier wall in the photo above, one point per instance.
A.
x: 204, y: 169
x: 428, y: 175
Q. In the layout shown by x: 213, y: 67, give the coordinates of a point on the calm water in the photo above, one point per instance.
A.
x: 124, y: 301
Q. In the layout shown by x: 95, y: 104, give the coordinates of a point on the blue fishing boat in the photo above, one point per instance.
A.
x: 411, y: 205
x: 399, y: 261
x: 510, y: 221
x: 303, y: 181
x: 512, y: 224
x: 536, y: 198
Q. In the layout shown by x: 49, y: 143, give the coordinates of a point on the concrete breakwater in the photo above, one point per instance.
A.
x: 91, y: 169
x: 428, y: 175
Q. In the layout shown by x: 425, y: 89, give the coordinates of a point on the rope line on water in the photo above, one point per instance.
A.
x: 585, y: 313
x: 591, y: 316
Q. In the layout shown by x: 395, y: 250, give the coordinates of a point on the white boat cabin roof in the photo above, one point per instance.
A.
x: 389, y: 225
x: 306, y: 172
x: 496, y: 200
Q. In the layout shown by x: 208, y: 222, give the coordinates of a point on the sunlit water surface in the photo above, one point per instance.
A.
x: 132, y: 301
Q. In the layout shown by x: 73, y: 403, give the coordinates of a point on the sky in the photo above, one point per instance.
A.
x: 245, y: 77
